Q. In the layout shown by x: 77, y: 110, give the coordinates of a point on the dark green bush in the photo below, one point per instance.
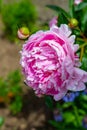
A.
x: 17, y: 14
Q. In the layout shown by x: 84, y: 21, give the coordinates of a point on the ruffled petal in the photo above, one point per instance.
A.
x: 60, y: 95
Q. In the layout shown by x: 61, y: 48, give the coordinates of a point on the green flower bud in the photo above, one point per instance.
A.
x: 73, y: 22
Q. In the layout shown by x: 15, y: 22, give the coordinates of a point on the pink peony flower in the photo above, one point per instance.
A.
x: 77, y: 2
x: 50, y: 63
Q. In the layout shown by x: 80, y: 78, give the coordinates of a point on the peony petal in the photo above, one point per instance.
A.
x: 60, y: 95
x: 82, y: 74
x: 76, y: 47
x: 81, y: 86
x: 72, y: 39
x: 64, y: 29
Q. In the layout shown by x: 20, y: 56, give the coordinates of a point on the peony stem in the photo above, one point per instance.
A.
x: 81, y: 53
x: 83, y: 45
x: 80, y: 39
x: 82, y: 50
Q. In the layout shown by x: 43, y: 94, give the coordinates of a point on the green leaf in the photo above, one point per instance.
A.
x: 49, y: 102
x: 84, y: 62
x: 59, y: 10
x: 84, y: 21
x: 62, y: 19
x: 69, y: 117
x: 71, y: 8
x: 76, y: 32
x: 80, y: 6
x: 67, y: 105
x: 82, y: 112
x: 54, y: 124
x: 16, y: 105
x: 85, y: 97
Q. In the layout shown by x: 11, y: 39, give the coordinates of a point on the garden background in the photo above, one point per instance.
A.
x: 20, y: 109
x: 33, y: 114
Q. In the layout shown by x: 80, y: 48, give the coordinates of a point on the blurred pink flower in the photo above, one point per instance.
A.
x: 77, y: 2
x: 53, y: 21
x: 50, y: 63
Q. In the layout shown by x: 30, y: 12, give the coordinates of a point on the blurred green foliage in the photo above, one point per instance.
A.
x: 16, y: 15
x: 72, y: 113
x: 11, y: 91
x: 1, y: 121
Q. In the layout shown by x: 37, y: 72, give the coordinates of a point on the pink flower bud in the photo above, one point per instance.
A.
x: 76, y: 2
x: 23, y: 33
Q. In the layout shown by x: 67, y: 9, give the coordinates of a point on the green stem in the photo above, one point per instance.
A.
x: 81, y: 53
x: 82, y: 50
x: 80, y: 39
x: 82, y: 34
x: 83, y: 45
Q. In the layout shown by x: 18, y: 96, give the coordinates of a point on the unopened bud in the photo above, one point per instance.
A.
x: 23, y: 33
x: 73, y: 23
